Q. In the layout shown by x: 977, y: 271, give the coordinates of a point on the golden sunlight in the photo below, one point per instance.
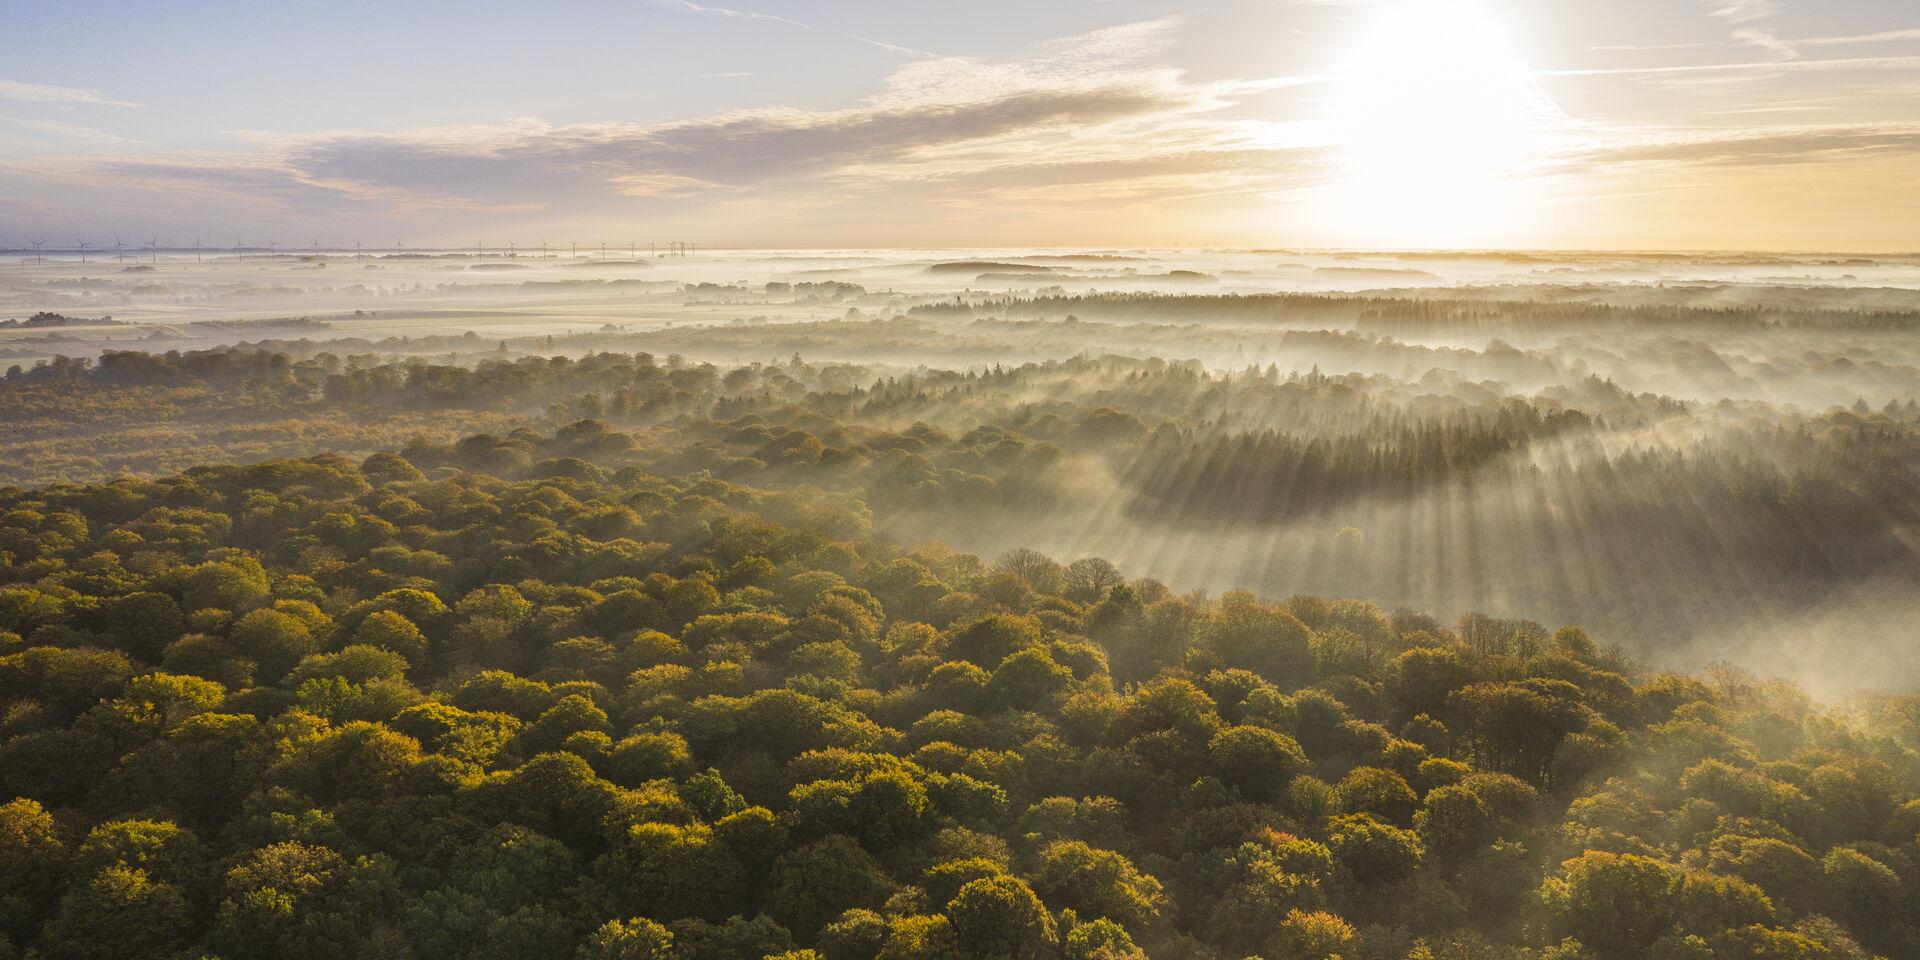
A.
x: 1435, y: 120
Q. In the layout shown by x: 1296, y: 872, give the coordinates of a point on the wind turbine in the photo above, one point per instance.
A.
x: 575, y: 244
x: 651, y: 253
x: 480, y: 246
x: 118, y: 256
x: 356, y: 248
x: 272, y: 254
x: 36, y: 251
x: 196, y: 249
x: 510, y: 253
x: 83, y: 250
x: 543, y: 249
x: 316, y: 248
x: 153, y: 250
x: 238, y: 254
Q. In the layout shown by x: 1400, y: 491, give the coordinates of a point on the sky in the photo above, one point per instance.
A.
x: 1583, y: 124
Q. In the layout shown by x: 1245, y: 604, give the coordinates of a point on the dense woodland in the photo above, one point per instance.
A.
x: 605, y: 693
x: 454, y: 647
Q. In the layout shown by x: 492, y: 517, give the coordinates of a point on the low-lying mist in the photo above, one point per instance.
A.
x: 1698, y: 459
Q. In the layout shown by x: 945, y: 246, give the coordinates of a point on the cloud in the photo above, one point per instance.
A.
x: 1044, y: 106
x: 1077, y: 123
x: 72, y: 132
x: 1770, y: 146
x: 1749, y: 17
x: 686, y: 6
x: 893, y: 47
x: 1765, y: 40
x: 1846, y: 63
x: 269, y: 188
x: 1696, y: 45
x: 738, y: 149
x: 1744, y: 11
x: 1883, y: 36
x: 48, y: 93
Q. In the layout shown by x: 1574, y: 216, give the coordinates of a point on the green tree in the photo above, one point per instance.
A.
x: 295, y: 901
x: 1244, y: 633
x: 1377, y: 791
x: 812, y: 884
x: 634, y: 939
x: 1256, y: 761
x: 1372, y: 851
x: 120, y: 912
x: 1001, y: 917
x: 273, y: 640
x: 1026, y: 678
x: 32, y: 860
x: 1098, y: 883
x: 1616, y: 905
x: 1453, y: 821
x: 391, y: 630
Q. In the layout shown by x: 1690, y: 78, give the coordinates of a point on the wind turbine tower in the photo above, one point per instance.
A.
x: 37, y: 258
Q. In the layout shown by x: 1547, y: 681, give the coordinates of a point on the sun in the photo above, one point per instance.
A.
x: 1435, y: 123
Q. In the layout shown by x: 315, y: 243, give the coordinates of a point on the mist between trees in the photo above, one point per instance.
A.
x: 504, y: 698
x: 1685, y: 531
x: 976, y: 633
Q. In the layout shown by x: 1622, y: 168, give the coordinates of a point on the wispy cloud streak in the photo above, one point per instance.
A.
x: 688, y: 6
x: 23, y: 92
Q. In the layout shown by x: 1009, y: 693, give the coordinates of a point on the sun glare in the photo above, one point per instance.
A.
x: 1435, y: 120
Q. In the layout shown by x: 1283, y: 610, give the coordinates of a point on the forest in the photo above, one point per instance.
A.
x: 514, y: 696
x: 869, y: 618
